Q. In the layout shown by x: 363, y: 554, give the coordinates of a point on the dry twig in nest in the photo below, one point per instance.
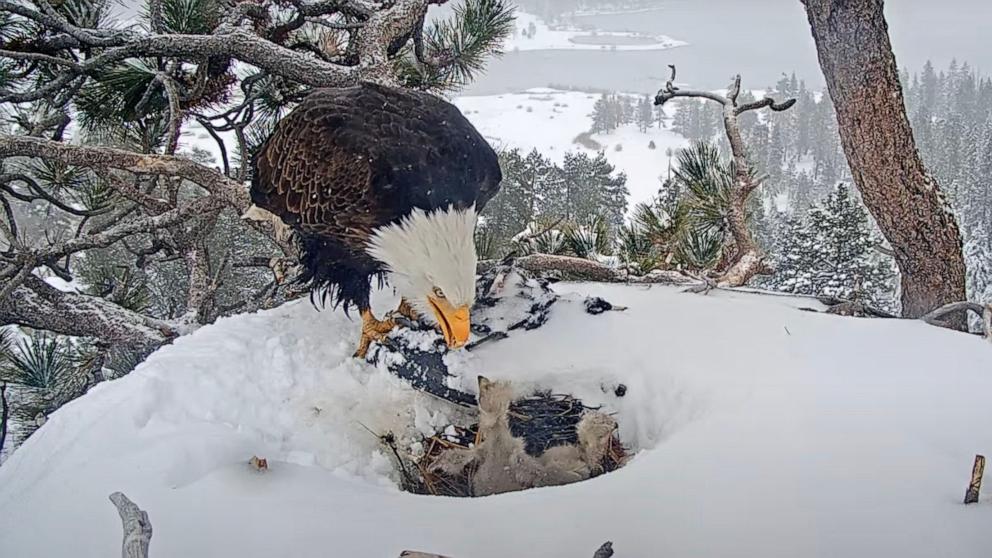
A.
x: 543, y: 421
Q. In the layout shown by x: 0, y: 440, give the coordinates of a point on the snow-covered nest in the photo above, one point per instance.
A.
x: 508, y: 301
x: 761, y: 430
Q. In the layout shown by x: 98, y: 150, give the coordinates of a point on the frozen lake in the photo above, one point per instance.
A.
x: 758, y: 38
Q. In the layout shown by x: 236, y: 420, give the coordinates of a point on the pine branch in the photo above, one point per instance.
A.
x: 451, y: 52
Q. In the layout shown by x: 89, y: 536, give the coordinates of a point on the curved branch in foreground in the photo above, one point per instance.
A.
x: 938, y: 317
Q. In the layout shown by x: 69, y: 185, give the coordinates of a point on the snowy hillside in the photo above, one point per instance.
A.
x: 762, y: 430
x: 549, y: 120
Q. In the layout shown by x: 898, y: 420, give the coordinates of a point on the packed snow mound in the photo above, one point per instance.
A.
x: 762, y: 430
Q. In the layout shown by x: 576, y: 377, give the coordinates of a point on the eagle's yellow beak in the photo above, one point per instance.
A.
x: 454, y: 322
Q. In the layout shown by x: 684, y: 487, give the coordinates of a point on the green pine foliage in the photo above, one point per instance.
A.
x: 88, y: 14
x: 41, y: 360
x: 191, y: 17
x: 461, y: 44
x: 706, y: 184
x: 583, y: 197
x: 613, y: 110
x: 832, y: 251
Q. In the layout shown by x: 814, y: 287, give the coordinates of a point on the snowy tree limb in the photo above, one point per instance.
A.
x: 374, y: 44
x: 36, y: 304
x: 231, y: 191
x: 137, y: 527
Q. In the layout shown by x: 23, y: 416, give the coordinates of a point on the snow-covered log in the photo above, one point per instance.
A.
x: 564, y: 267
x: 137, y: 527
x: 568, y: 268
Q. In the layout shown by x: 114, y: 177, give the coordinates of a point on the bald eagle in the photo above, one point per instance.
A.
x: 382, y: 182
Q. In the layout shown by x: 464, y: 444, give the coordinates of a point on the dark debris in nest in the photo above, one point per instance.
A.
x: 543, y: 420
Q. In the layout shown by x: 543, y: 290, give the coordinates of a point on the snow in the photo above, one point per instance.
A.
x: 548, y: 119
x: 762, y: 430
x: 546, y: 37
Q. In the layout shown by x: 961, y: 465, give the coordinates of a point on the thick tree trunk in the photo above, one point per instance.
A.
x: 852, y: 42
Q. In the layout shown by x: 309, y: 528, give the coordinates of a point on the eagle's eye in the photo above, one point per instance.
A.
x: 438, y: 292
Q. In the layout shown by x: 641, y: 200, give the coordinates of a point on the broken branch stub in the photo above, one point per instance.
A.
x: 975, y: 486
x: 137, y: 527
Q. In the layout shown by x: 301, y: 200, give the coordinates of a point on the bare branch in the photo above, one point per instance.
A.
x: 41, y: 194
x: 220, y: 144
x: 137, y: 527
x: 747, y: 259
x: 766, y: 102
x: 155, y: 15
x: 938, y: 316
x: 238, y: 44
x: 175, y: 114
x: 230, y: 191
x: 666, y: 95
x: 735, y: 90
x: 133, y: 193
x: 9, y: 226
x: 172, y: 217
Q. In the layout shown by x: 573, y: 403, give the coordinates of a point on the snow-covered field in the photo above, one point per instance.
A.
x: 549, y: 120
x: 545, y: 37
x: 762, y: 430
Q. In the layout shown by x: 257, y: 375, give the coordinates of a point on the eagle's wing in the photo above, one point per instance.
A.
x: 308, y: 176
x: 348, y: 160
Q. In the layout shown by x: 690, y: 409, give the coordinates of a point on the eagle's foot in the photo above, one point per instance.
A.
x: 406, y: 316
x: 372, y: 330
x: 407, y: 311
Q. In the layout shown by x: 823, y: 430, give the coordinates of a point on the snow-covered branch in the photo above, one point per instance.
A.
x: 36, y: 304
x: 230, y: 191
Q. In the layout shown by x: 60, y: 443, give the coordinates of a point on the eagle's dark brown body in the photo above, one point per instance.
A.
x: 346, y: 161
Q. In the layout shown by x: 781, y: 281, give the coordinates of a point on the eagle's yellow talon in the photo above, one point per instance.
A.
x: 407, y: 311
x: 372, y: 330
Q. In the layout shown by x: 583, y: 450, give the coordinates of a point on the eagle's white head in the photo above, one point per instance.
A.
x: 430, y: 258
